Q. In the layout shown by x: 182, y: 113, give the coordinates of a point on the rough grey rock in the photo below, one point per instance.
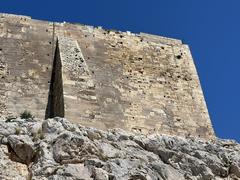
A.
x: 22, y: 148
x: 9, y: 169
x: 57, y: 149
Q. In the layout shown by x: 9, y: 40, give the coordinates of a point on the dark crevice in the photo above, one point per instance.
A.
x: 55, y: 106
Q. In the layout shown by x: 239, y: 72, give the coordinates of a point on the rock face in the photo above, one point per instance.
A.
x: 57, y: 149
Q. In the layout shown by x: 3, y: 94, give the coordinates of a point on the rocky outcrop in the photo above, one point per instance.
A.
x: 57, y: 149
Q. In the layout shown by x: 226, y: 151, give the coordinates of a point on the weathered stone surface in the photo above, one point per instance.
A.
x: 70, y: 152
x: 100, y: 78
x: 22, y: 148
x: 10, y: 170
x: 142, y: 83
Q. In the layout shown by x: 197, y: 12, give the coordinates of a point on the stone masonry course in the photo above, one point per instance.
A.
x: 101, y: 78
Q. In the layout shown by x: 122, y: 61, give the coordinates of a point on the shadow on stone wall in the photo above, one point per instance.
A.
x: 55, y: 106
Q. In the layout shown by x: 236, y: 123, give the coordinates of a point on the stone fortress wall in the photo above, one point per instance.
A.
x: 100, y: 78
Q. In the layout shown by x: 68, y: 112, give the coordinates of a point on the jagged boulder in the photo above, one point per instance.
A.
x: 58, y: 149
x: 22, y: 148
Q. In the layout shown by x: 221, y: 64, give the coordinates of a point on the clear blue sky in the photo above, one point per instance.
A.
x: 210, y: 27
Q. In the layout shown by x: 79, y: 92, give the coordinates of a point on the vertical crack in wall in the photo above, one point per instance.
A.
x: 55, y: 106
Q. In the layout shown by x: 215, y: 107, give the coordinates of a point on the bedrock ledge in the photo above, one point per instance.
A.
x: 57, y: 149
